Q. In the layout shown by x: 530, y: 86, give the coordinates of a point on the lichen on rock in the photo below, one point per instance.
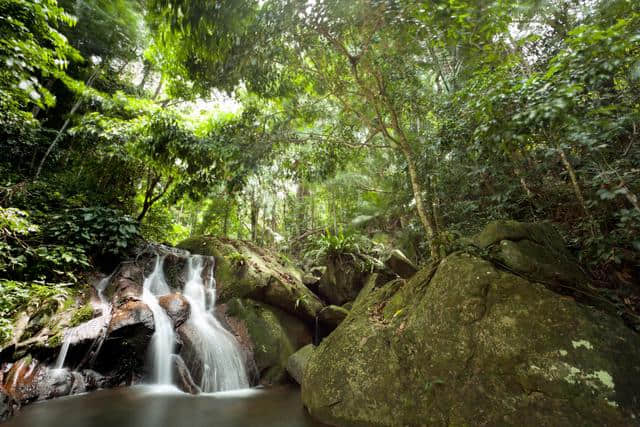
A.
x: 472, y: 344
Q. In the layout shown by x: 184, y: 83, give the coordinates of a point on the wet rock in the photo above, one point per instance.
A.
x: 311, y: 282
x: 189, y: 340
x: 341, y: 281
x: 298, y: 361
x: 94, y: 380
x: 128, y: 337
x: 273, y: 336
x: 244, y: 270
x: 29, y: 380
x: 182, y: 376
x: 177, y: 308
x: 332, y: 315
x: 6, y: 406
x: 400, y: 264
x: 467, y: 343
x: 131, y: 315
x: 126, y: 284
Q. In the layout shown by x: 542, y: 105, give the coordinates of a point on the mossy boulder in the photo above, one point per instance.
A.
x: 272, y: 335
x: 298, y: 361
x: 536, y: 251
x: 332, y: 315
x: 400, y: 264
x: 342, y: 280
x: 244, y: 270
x: 469, y: 344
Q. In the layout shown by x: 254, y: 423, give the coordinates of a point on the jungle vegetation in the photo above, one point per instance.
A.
x: 310, y: 126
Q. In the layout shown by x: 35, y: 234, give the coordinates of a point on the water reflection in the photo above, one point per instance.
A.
x: 155, y: 406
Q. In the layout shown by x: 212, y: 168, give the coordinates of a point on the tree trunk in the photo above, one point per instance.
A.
x: 254, y: 216
x: 417, y: 195
x: 574, y: 180
x: 225, y: 227
x: 64, y: 126
x: 158, y: 88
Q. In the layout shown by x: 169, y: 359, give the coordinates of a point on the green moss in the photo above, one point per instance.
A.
x: 81, y: 315
x: 236, y: 259
x: 55, y: 340
x: 275, y: 335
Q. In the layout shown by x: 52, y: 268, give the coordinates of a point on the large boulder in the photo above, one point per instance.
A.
x: 270, y: 334
x: 332, y: 316
x: 127, y: 337
x: 244, y: 270
x: 177, y: 308
x: 467, y: 343
x: 342, y: 280
x: 298, y: 361
x: 535, y: 251
x: 400, y: 264
x: 29, y: 380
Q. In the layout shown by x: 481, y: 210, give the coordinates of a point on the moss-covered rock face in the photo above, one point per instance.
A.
x: 342, y: 280
x: 469, y: 344
x: 533, y: 250
x: 273, y: 336
x: 298, y: 361
x: 244, y: 270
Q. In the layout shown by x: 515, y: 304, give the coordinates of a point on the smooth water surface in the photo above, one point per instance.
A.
x: 152, y: 406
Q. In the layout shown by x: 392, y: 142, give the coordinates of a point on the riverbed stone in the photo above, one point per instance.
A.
x: 467, y: 343
x: 244, y: 270
x: 273, y: 334
x: 400, y: 264
x: 298, y: 361
x: 177, y: 308
x: 6, y: 405
x: 332, y: 315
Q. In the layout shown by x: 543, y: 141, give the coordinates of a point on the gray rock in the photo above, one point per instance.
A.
x: 400, y: 264
x: 183, y: 377
x: 470, y: 344
x: 332, y: 315
x: 298, y: 361
x: 341, y: 281
x: 177, y: 308
x: 6, y: 406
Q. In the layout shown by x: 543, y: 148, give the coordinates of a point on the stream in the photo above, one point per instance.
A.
x: 158, y: 406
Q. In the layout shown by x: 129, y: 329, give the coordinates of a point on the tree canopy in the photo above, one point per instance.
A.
x: 406, y: 123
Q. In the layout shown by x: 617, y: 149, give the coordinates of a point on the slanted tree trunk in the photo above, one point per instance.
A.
x: 149, y: 197
x: 574, y: 180
x: 75, y: 107
x: 417, y: 196
x: 158, y: 88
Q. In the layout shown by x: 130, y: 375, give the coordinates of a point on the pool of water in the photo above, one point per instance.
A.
x: 151, y: 406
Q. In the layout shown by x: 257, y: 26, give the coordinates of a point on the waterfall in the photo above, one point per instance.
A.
x: 163, y: 339
x: 223, y: 363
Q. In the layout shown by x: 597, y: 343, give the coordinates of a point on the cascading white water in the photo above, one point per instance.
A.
x: 223, y: 363
x: 163, y: 339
